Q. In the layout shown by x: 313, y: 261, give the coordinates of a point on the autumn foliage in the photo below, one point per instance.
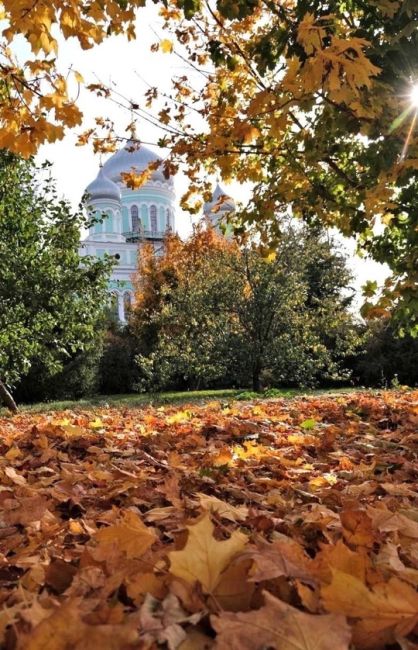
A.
x: 279, y: 524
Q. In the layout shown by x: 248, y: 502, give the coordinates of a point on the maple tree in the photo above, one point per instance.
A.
x: 311, y: 101
x: 276, y: 523
x: 50, y: 304
x: 208, y: 312
x: 314, y: 103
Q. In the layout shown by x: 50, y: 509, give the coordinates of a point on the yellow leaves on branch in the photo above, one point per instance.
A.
x: 35, y: 104
x: 166, y: 46
x: 135, y: 180
x: 338, y: 67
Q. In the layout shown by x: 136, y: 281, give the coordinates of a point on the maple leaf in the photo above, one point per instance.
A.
x: 387, y: 610
x: 223, y: 509
x: 281, y: 626
x: 284, y: 557
x: 357, y: 528
x: 130, y: 536
x: 204, y: 558
x: 166, y: 46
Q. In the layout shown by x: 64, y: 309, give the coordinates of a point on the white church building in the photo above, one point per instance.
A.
x: 126, y: 218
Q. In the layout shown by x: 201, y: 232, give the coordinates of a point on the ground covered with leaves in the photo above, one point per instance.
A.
x: 287, y: 524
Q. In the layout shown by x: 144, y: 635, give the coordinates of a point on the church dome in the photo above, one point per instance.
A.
x: 133, y: 157
x: 103, y: 188
x: 220, y: 203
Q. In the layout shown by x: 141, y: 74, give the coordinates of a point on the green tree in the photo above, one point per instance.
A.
x: 293, y: 312
x: 210, y: 313
x: 181, y: 318
x: 50, y: 303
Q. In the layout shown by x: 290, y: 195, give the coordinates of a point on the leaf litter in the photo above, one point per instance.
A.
x: 288, y: 524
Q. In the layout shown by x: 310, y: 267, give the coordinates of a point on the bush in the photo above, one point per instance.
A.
x: 387, y: 358
x: 117, y: 368
x: 78, y: 378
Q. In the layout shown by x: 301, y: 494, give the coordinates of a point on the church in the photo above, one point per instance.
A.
x: 127, y: 218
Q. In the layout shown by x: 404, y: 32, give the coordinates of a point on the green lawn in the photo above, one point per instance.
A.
x: 175, y: 397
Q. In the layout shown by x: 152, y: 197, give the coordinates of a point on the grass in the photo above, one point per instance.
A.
x: 175, y: 397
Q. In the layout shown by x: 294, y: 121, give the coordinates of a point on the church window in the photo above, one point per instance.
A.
x: 113, y: 307
x: 167, y: 219
x: 127, y: 302
x: 153, y: 216
x: 136, y: 222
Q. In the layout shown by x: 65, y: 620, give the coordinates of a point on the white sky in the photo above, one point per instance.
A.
x: 130, y: 65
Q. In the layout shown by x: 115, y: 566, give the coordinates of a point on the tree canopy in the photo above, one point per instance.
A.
x: 313, y: 102
x: 209, y: 313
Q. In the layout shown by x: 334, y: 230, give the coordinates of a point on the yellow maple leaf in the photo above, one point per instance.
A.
x: 166, y: 46
x: 204, y: 558
x: 179, y: 418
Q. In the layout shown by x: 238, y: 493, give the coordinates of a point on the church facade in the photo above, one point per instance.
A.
x: 126, y: 218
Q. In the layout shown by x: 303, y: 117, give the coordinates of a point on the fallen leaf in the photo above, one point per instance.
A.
x: 204, y: 558
x: 223, y: 509
x: 130, y: 536
x: 282, y: 627
x: 387, y: 610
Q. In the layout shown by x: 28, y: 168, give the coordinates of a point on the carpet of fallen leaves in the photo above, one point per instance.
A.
x: 287, y: 524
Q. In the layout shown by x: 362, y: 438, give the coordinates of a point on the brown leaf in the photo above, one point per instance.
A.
x: 386, y: 610
x: 280, y: 626
x: 223, y: 509
x: 59, y: 575
x: 130, y: 536
x: 387, y: 521
x: 357, y: 528
x: 284, y: 557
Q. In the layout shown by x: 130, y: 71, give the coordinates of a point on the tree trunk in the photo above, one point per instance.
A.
x: 6, y: 398
x: 256, y: 376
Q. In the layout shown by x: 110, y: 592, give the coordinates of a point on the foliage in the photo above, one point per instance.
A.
x: 181, y: 315
x: 308, y: 100
x: 117, y: 370
x: 210, y: 313
x: 311, y: 102
x: 387, y: 358
x: 217, y: 526
x: 36, y: 101
x: 79, y: 377
x: 50, y: 304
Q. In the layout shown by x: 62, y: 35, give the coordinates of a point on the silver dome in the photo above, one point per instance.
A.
x: 220, y: 202
x: 133, y: 157
x: 103, y: 188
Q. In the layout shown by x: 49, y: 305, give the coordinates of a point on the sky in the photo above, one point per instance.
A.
x: 131, y: 66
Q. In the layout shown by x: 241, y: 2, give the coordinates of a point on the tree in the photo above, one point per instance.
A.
x: 209, y: 313
x: 387, y: 359
x: 181, y: 320
x: 293, y: 311
x: 315, y: 103
x: 50, y: 303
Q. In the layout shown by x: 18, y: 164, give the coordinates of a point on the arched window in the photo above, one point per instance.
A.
x: 127, y: 303
x: 136, y: 222
x: 167, y: 219
x: 113, y: 307
x: 153, y: 217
